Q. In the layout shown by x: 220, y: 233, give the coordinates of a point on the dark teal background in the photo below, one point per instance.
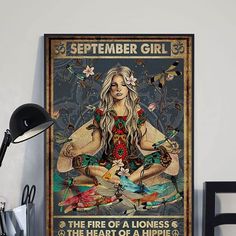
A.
x: 71, y: 99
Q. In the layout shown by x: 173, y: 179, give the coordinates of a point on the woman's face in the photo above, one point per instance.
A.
x: 119, y: 89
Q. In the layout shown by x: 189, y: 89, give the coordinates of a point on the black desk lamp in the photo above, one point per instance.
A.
x: 26, y: 122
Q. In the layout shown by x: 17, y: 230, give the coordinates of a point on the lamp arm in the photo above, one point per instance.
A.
x: 5, y: 143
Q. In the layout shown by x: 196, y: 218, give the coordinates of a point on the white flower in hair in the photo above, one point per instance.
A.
x: 131, y: 80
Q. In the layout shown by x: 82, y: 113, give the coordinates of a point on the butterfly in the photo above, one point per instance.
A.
x: 166, y: 75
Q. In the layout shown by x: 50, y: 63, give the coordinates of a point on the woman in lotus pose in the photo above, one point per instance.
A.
x: 120, y: 128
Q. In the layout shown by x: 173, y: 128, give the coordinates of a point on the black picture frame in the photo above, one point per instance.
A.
x: 179, y: 47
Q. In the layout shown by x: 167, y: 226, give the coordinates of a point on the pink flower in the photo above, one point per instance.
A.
x: 152, y: 106
x: 131, y: 80
x: 88, y: 71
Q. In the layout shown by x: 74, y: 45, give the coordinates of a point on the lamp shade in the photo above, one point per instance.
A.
x: 28, y: 121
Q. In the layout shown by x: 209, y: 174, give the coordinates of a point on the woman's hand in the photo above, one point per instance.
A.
x: 71, y: 150
x: 174, y: 148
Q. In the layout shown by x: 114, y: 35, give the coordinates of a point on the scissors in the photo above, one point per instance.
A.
x: 28, y: 194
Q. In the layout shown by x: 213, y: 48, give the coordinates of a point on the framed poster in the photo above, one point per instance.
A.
x: 119, y: 158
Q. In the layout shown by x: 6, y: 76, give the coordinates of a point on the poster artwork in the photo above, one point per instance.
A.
x: 119, y: 157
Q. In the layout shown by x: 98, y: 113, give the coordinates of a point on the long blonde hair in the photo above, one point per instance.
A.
x: 106, y: 105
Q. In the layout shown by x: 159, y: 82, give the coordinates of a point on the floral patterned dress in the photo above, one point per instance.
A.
x: 120, y: 148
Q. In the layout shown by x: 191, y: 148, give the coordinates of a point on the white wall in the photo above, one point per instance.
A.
x: 22, y: 25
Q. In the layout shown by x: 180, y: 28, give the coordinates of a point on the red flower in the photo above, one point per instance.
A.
x: 120, y: 150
